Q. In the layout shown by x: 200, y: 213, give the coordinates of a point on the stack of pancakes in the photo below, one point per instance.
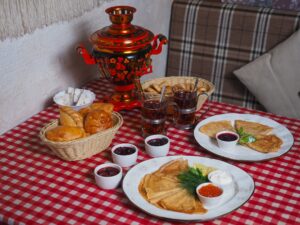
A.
x: 265, y: 141
x: 162, y: 189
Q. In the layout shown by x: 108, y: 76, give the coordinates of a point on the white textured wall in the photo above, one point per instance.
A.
x: 35, y: 66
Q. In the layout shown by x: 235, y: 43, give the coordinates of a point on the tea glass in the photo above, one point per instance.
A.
x: 154, y: 115
x: 186, y: 99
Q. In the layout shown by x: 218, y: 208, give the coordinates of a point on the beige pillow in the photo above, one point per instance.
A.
x: 274, y: 78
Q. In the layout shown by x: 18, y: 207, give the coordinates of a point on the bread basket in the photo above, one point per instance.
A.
x: 84, y: 147
x: 205, y: 88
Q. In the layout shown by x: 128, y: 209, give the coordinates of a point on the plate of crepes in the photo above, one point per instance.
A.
x: 260, y: 138
x: 165, y: 187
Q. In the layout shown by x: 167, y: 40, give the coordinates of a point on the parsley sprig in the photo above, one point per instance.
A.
x: 191, y: 178
x: 245, y: 137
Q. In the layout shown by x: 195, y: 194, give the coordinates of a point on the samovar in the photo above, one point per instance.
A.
x: 123, y: 53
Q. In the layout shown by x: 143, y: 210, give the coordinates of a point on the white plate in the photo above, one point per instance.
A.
x: 244, y: 187
x: 242, y: 153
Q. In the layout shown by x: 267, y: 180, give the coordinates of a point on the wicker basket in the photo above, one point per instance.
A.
x: 204, y: 86
x: 85, y: 147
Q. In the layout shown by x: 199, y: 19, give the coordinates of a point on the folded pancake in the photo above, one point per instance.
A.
x: 212, y: 128
x: 163, y: 189
x: 174, y: 167
x: 253, y: 128
x: 266, y: 144
x: 182, y: 201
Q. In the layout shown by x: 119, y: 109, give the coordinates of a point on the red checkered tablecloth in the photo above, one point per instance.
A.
x: 38, y: 188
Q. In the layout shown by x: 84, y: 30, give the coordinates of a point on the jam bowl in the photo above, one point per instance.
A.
x: 210, y: 194
x: 227, y: 140
x: 157, y: 145
x: 125, y: 155
x: 108, y: 175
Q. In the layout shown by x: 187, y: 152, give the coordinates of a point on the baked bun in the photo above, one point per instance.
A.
x: 84, y: 111
x: 107, y: 107
x: 70, y: 117
x: 65, y: 133
x: 97, y: 120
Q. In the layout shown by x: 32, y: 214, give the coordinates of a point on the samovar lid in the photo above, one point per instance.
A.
x: 121, y: 36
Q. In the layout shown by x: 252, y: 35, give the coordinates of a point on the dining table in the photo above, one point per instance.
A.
x: 37, y: 187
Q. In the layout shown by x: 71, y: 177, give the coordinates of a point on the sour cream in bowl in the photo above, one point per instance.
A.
x: 222, y: 179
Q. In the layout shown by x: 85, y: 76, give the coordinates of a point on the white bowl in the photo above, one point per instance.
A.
x: 157, y: 151
x: 209, y: 202
x: 108, y: 182
x: 124, y: 160
x: 221, y: 179
x: 227, y: 144
x: 62, y: 98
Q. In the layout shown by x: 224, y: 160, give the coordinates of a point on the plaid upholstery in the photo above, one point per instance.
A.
x: 211, y: 40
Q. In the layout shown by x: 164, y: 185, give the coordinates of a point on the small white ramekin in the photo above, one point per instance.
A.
x: 209, y: 202
x: 59, y: 95
x: 110, y: 182
x: 124, y: 160
x: 157, y: 151
x: 221, y: 179
x: 227, y: 145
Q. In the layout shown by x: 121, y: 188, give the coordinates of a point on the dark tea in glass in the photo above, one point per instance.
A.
x: 153, y: 116
x: 186, y: 100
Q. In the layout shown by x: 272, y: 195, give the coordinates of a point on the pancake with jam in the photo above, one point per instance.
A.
x: 212, y: 128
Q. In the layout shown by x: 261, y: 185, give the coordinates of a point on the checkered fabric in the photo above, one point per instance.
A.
x: 211, y: 40
x: 36, y: 187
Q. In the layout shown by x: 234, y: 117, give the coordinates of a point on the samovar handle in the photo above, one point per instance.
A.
x: 162, y: 41
x: 88, y: 59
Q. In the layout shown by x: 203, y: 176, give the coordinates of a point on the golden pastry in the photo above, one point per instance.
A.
x: 84, y: 111
x: 212, y: 128
x: 107, y: 107
x: 97, y: 120
x: 253, y: 128
x: 70, y: 117
x: 163, y: 189
x: 266, y: 144
x: 65, y: 133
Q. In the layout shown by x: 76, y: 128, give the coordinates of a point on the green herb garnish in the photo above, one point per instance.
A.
x: 244, y: 137
x: 191, y: 178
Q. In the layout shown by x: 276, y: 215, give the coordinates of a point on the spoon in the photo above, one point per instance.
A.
x: 139, y: 87
x: 196, y: 84
x: 162, y: 93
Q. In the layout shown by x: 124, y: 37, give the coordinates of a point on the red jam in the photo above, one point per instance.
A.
x: 124, y: 150
x: 108, y: 171
x: 158, y: 141
x: 210, y: 191
x: 228, y: 137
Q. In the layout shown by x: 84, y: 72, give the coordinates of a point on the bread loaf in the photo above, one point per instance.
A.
x: 65, y: 133
x: 97, y: 120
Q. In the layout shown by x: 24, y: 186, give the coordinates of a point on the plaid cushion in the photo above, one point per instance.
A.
x: 211, y: 40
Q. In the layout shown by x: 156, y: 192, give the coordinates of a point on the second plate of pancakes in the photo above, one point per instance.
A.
x: 240, y: 152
